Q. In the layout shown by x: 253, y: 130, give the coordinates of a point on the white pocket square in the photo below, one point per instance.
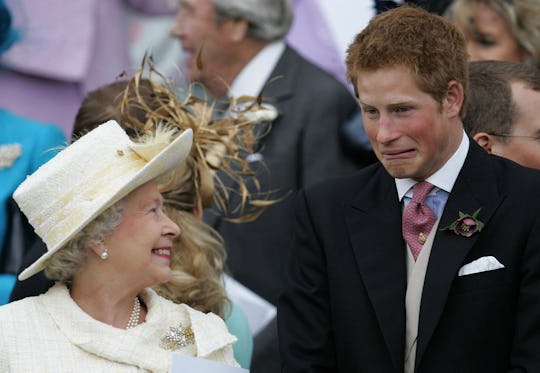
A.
x: 483, y: 264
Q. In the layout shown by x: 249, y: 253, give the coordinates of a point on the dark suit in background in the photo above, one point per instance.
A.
x: 301, y: 148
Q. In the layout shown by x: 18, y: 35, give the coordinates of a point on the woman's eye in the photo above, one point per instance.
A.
x: 484, y: 41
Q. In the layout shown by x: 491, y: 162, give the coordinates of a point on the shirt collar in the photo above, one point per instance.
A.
x: 446, y: 176
x: 255, y: 74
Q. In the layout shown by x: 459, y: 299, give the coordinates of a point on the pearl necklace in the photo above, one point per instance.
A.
x: 135, y: 314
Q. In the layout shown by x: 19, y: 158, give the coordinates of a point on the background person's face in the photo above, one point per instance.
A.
x: 410, y: 133
x: 197, y: 27
x: 490, y: 37
x: 523, y: 150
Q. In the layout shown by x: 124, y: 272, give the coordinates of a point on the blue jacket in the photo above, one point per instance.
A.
x: 24, y: 146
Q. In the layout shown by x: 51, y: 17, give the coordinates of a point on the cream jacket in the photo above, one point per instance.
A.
x: 50, y: 333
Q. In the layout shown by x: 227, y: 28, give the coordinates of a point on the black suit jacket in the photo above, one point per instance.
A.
x: 303, y: 147
x: 344, y: 305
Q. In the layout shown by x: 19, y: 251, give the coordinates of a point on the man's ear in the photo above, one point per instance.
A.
x: 236, y: 29
x: 485, y: 140
x: 454, y: 99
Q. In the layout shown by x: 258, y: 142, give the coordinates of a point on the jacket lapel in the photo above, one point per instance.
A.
x: 278, y: 90
x: 280, y: 85
x: 376, y: 214
x: 475, y: 187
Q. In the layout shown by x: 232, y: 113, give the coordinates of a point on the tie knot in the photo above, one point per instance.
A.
x: 421, y: 191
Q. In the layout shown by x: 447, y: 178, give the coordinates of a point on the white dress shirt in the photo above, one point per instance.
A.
x: 250, y: 81
x: 444, y: 179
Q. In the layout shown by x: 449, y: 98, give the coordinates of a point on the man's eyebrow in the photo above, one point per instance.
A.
x: 360, y: 102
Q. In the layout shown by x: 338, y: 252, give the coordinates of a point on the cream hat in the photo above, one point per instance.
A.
x: 83, y: 180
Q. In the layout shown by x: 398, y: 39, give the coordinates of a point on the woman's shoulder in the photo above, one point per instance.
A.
x: 21, y: 316
x: 18, y: 308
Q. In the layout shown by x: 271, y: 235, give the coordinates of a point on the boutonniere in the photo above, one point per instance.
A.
x: 261, y: 113
x: 466, y: 225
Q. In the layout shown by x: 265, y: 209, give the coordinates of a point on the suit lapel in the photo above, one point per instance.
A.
x: 475, y: 187
x: 280, y: 85
x: 376, y: 214
x: 276, y: 91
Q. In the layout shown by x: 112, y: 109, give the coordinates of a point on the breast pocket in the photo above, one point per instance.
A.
x: 481, y: 281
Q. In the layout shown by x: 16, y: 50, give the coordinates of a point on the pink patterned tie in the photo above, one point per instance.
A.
x: 418, y: 218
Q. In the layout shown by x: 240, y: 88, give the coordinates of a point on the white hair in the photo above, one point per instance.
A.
x: 268, y: 19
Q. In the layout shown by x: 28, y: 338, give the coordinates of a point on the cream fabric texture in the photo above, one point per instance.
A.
x: 50, y: 333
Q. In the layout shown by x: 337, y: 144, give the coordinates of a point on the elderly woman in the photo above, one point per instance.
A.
x: 98, y: 208
x: 499, y: 30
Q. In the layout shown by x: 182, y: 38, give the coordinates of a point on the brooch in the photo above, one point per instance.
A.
x: 8, y: 154
x: 176, y: 338
x: 466, y: 225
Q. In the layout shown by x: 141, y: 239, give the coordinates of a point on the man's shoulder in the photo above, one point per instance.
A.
x: 520, y: 181
x: 492, y: 178
x: 351, y: 184
x: 513, y: 176
x: 291, y: 60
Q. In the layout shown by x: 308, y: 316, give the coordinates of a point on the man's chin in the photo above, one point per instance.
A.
x: 400, y: 170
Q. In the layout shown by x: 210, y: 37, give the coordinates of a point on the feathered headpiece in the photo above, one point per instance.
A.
x: 221, y: 142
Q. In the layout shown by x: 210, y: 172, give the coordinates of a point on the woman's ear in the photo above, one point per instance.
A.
x: 98, y: 248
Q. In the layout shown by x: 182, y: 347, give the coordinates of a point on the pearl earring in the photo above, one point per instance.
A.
x: 104, y: 253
